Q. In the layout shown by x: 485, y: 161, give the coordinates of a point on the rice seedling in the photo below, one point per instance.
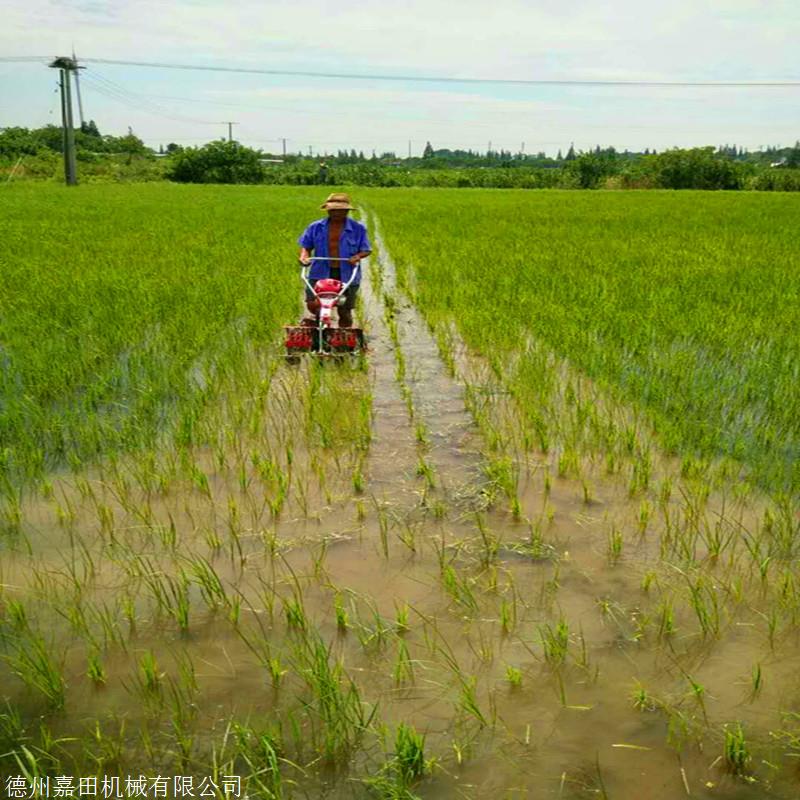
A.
x: 95, y: 669
x: 736, y: 751
x: 335, y: 705
x: 30, y: 658
x: 149, y: 673
x: 514, y: 676
x: 158, y: 445
x: 615, y: 545
x: 404, y: 666
x: 340, y: 612
x: 555, y: 642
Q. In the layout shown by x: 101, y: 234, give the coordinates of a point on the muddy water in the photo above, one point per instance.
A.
x: 435, y: 410
x: 477, y: 597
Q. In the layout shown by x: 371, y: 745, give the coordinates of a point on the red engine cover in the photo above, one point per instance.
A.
x: 326, y: 285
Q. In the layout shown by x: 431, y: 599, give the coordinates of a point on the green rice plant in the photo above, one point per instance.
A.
x: 699, y: 695
x: 260, y: 751
x: 359, y: 481
x: 409, y: 754
x: 508, y: 615
x: 615, y: 544
x: 95, y: 669
x: 375, y: 634
x: 642, y: 700
x: 468, y: 701
x: 489, y: 542
x: 459, y: 588
x: 206, y: 577
x: 736, y: 752
x: 404, y: 666
x: 425, y: 470
x: 31, y: 659
x: 704, y: 601
x: 340, y: 612
x: 401, y: 618
x: 178, y: 592
x: 756, y: 682
x: 514, y: 676
x: 149, y: 673
x: 666, y: 618
x: 335, y: 707
x: 276, y: 671
x: 658, y: 340
x: 555, y: 642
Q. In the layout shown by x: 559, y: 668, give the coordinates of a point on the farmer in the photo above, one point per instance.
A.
x: 335, y: 236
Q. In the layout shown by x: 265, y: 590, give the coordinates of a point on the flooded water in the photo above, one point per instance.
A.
x: 544, y: 649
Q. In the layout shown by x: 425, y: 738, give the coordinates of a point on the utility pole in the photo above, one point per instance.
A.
x: 67, y: 65
x: 489, y: 149
x: 309, y: 151
x: 409, y: 148
x: 283, y: 139
x: 230, y: 129
x: 78, y: 89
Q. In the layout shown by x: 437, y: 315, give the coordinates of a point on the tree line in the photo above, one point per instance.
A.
x: 726, y: 167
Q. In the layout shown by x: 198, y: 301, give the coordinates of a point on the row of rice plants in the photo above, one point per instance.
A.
x: 122, y: 307
x: 684, y: 305
x: 712, y: 555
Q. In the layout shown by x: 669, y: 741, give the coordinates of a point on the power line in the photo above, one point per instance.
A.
x: 9, y: 59
x: 107, y: 88
x: 446, y: 79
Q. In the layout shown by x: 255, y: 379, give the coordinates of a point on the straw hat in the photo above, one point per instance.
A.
x: 338, y: 200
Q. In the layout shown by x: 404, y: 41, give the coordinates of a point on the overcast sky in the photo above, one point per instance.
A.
x: 738, y: 40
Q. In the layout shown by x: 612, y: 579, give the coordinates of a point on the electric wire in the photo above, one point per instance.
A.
x: 588, y: 82
x: 97, y: 83
x: 451, y: 79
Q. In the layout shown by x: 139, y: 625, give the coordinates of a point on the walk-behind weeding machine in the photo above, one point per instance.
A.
x: 318, y: 336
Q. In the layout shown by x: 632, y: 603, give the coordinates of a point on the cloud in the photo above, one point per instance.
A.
x: 626, y: 39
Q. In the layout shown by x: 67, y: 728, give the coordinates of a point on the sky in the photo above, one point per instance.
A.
x: 680, y: 40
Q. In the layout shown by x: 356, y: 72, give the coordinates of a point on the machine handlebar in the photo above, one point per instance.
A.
x: 345, y: 286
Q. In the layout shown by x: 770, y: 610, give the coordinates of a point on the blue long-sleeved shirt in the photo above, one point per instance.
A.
x: 353, y: 239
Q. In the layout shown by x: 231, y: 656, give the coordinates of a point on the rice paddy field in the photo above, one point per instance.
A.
x: 541, y: 542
